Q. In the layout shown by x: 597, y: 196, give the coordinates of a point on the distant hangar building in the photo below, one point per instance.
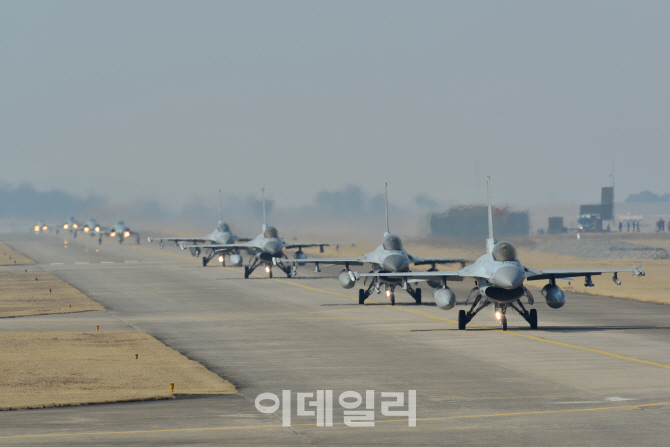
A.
x: 471, y: 222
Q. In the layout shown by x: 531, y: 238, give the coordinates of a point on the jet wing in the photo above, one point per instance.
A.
x: 456, y: 275
x: 176, y: 240
x: 331, y: 261
x: 305, y: 244
x: 217, y: 247
x: 418, y: 260
x: 536, y: 275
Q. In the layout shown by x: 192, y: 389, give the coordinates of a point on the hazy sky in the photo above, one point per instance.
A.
x: 170, y: 100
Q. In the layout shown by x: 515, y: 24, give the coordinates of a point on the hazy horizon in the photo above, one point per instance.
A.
x: 170, y: 101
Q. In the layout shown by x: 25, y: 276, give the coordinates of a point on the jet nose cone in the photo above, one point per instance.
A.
x: 393, y: 263
x: 272, y: 246
x: 508, y: 277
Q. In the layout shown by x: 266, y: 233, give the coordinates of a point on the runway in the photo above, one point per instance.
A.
x: 596, y: 372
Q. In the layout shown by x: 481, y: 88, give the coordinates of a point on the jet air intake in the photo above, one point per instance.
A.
x: 554, y: 296
x: 444, y: 298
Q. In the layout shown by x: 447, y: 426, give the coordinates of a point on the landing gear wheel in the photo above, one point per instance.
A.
x: 533, y: 319
x: 417, y: 296
x: 270, y: 273
x: 361, y: 296
x: 392, y: 299
x: 288, y: 274
x: 462, y: 320
x: 503, y: 322
x: 100, y: 241
x: 246, y: 272
x: 204, y: 262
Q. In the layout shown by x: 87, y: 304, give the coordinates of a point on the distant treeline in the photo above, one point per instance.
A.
x: 647, y: 197
x: 25, y: 201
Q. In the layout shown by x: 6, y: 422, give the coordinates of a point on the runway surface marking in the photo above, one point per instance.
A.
x: 532, y: 337
x: 567, y: 345
x: 442, y: 418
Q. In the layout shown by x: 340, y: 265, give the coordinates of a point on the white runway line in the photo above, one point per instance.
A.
x: 81, y: 262
x: 131, y: 261
x: 106, y: 262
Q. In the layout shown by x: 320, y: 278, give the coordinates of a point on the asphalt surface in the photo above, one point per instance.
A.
x: 596, y: 372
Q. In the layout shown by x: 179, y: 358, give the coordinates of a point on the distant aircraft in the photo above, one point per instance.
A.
x: 71, y: 225
x: 388, y: 257
x: 41, y: 227
x: 121, y: 231
x: 220, y: 236
x: 265, y: 247
x: 91, y: 227
x: 499, y: 280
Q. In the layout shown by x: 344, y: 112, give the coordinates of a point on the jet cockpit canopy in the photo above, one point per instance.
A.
x: 271, y: 232
x: 504, y: 251
x: 392, y: 242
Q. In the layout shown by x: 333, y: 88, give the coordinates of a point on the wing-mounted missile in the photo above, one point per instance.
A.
x: 444, y: 298
x: 554, y: 296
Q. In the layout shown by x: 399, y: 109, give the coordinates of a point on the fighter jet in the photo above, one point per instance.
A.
x: 499, y: 278
x: 265, y: 247
x: 390, y: 256
x: 220, y: 236
x: 121, y: 231
x: 71, y: 225
x: 91, y: 227
x: 41, y: 227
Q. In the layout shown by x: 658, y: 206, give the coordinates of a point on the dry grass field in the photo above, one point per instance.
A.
x: 9, y: 256
x: 52, y: 369
x: 22, y: 295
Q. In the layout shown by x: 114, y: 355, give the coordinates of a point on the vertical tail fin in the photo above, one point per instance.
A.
x: 386, y: 205
x: 265, y: 224
x: 488, y: 196
x: 490, y: 242
x: 220, y: 218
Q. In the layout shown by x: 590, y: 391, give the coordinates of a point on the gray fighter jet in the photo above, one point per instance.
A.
x: 120, y: 230
x: 265, y: 247
x: 389, y: 257
x: 90, y: 227
x: 71, y: 225
x: 499, y: 278
x: 41, y: 227
x: 220, y: 236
